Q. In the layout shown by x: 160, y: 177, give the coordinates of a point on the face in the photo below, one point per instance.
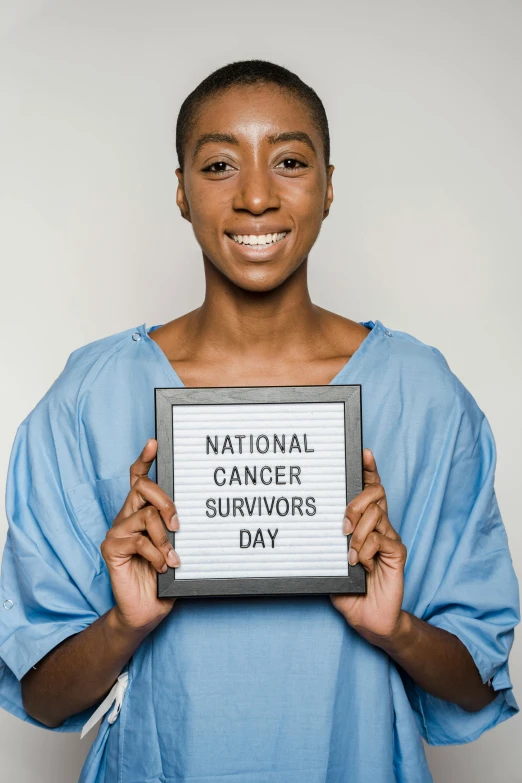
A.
x: 255, y: 186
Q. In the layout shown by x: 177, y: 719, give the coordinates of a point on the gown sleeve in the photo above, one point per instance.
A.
x: 52, y: 581
x: 469, y: 588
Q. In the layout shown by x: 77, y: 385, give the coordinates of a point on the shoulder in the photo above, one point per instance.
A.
x: 424, y: 370
x: 413, y: 354
x: 88, y: 360
x: 82, y: 370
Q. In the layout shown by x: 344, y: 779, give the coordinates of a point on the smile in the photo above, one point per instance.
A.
x: 259, y: 240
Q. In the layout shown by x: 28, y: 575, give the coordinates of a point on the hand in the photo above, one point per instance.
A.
x: 378, y: 547
x: 137, y: 547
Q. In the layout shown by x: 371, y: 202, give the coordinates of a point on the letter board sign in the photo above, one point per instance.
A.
x: 261, y: 477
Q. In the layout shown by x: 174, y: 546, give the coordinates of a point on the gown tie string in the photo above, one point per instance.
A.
x: 115, y: 696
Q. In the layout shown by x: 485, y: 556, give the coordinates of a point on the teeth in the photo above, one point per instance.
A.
x: 262, y: 239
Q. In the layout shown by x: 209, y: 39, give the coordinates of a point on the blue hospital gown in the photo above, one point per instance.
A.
x: 261, y: 689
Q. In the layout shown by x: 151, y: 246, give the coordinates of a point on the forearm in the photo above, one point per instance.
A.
x: 438, y: 662
x: 80, y: 671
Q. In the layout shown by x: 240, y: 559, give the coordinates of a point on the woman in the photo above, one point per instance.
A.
x: 287, y: 689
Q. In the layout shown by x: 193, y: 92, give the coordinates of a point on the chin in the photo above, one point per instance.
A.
x: 259, y: 280
x: 256, y: 276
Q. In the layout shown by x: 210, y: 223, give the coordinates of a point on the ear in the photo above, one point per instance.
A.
x: 329, y: 191
x: 181, y: 198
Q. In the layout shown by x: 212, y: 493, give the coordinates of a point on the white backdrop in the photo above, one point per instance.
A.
x: 425, y: 232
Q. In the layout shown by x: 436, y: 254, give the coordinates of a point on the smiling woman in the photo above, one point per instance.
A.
x: 254, y: 162
x: 262, y: 689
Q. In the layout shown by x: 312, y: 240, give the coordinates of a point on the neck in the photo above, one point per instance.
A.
x: 273, y: 323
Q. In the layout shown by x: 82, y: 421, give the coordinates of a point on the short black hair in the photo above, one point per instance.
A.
x: 245, y: 72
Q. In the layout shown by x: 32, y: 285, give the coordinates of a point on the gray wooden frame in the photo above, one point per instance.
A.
x: 350, y: 395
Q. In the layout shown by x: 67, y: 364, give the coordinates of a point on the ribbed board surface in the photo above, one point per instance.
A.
x: 212, y: 516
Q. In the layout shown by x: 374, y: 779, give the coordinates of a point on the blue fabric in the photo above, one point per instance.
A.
x: 261, y: 689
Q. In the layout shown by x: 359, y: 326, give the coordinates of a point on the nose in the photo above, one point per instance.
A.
x: 256, y: 190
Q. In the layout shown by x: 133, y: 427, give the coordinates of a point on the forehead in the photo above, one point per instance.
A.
x: 253, y: 111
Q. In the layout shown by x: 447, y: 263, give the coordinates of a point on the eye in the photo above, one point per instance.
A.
x: 221, y: 167
x: 292, y: 166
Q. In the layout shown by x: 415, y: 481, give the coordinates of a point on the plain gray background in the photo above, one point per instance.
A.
x: 425, y: 232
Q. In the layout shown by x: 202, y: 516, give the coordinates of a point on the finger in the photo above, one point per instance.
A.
x: 147, y: 520
x: 122, y: 548
x: 142, y: 465
x: 370, y: 472
x: 374, y: 518
x: 386, y: 547
x: 158, y: 535
x: 373, y: 493
x: 147, y: 492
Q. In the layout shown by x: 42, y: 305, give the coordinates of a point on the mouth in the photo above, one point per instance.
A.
x: 259, y: 246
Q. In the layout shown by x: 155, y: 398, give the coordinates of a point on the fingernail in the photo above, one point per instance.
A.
x: 164, y: 569
x: 347, y: 526
x: 174, y: 522
x: 352, y: 556
x: 173, y: 558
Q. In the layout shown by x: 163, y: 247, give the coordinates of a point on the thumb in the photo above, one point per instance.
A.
x: 371, y: 474
x: 142, y: 465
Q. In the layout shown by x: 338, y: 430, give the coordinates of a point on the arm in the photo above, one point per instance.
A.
x: 437, y: 661
x: 81, y: 670
x: 434, y: 658
x: 74, y: 675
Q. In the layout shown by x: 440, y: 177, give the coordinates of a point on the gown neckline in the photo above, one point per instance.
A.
x: 342, y: 377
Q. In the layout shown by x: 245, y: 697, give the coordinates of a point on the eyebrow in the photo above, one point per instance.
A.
x: 228, y: 138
